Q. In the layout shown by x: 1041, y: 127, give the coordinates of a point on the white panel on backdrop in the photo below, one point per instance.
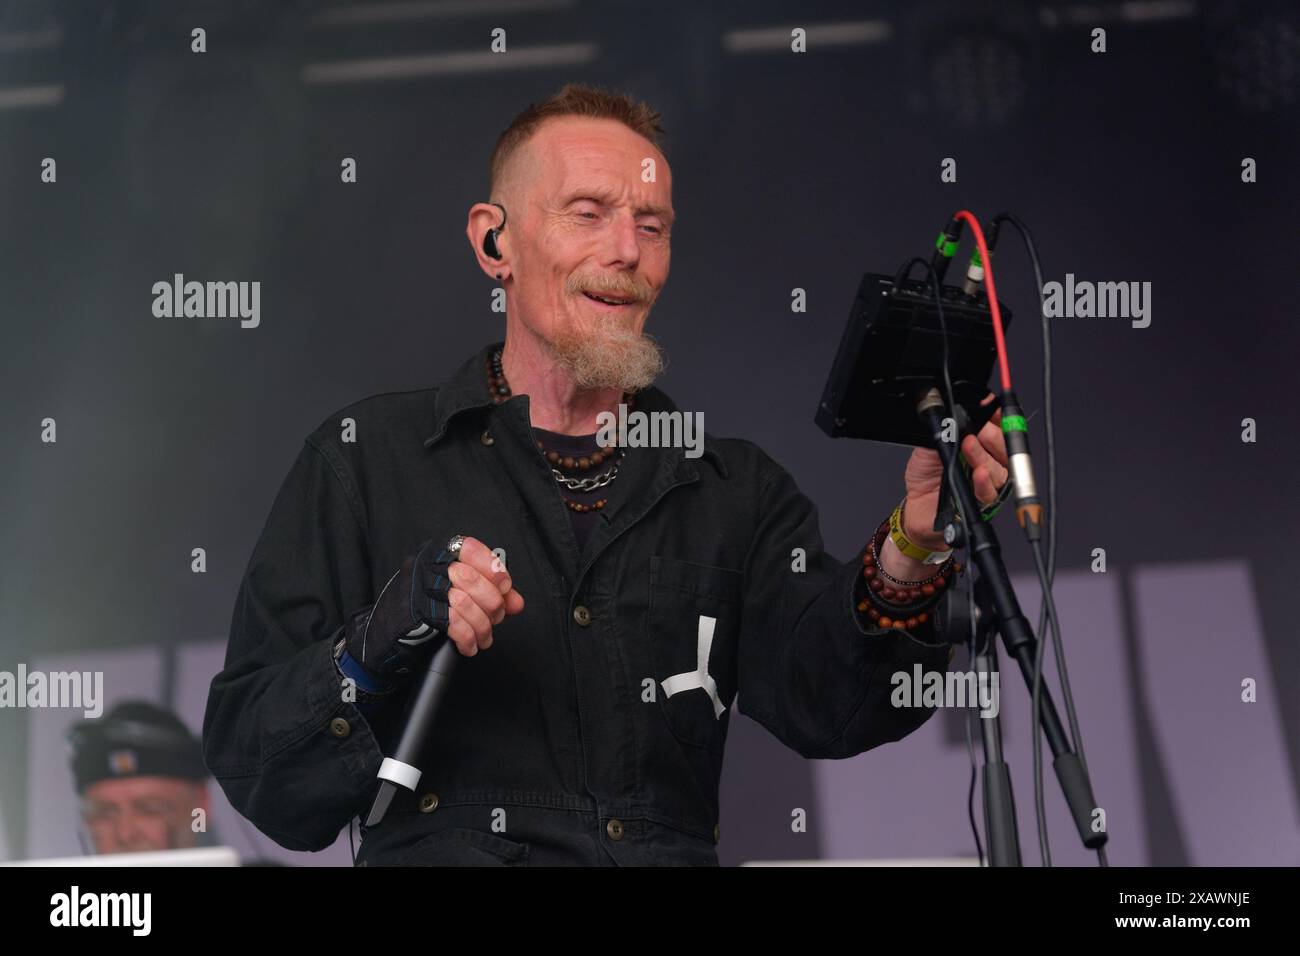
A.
x: 196, y: 665
x: 52, y: 812
x: 908, y: 799
x: 1200, y: 637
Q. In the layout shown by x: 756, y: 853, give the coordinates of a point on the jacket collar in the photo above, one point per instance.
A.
x: 467, y: 389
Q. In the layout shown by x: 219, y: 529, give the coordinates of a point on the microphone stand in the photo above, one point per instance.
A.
x: 995, y: 778
x: 1000, y: 612
x: 999, y: 799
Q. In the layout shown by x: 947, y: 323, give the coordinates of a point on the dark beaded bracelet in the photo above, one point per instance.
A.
x: 889, y: 602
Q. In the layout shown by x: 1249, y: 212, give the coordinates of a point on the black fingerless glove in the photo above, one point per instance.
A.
x: 394, y: 636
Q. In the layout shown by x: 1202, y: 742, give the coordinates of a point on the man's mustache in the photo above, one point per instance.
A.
x: 627, y: 288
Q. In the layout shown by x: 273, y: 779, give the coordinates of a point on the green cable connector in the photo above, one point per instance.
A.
x: 988, y: 511
x: 946, y: 246
x: 1010, y: 423
x: 987, y: 514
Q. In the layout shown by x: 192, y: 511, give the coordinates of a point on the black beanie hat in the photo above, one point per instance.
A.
x: 134, y: 739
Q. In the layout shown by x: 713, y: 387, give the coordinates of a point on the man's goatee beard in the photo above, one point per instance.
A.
x: 613, y: 358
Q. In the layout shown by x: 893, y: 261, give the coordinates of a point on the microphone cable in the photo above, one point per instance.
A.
x: 1046, y: 575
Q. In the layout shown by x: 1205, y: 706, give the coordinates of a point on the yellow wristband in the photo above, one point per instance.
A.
x: 913, y: 551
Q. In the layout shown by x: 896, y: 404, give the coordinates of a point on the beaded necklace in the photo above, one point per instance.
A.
x: 500, y: 390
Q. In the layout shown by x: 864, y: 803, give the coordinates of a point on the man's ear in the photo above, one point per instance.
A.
x: 482, y: 218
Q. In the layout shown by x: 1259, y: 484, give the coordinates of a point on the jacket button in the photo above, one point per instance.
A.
x: 615, y: 829
x: 582, y: 615
x: 428, y: 803
x: 339, y: 727
x: 486, y: 438
x: 716, y: 830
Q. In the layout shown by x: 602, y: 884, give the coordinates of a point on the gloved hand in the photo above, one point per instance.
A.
x: 434, y: 595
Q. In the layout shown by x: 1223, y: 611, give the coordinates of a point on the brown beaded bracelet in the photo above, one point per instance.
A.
x: 881, y: 589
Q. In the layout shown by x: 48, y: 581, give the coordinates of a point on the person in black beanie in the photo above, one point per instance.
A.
x: 140, y: 776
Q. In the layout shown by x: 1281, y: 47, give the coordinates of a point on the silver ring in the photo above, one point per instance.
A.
x: 453, y: 545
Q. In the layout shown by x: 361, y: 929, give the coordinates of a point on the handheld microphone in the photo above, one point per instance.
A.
x: 399, y: 770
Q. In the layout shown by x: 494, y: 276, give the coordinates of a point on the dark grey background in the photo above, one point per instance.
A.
x: 789, y: 171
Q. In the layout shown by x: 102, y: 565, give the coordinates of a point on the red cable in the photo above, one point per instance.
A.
x: 998, y: 338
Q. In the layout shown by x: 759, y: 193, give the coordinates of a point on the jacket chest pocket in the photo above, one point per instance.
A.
x: 693, y: 626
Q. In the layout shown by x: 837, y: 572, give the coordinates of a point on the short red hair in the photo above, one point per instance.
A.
x: 575, y: 99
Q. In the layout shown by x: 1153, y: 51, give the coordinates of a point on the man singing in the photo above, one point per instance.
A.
x: 611, y: 602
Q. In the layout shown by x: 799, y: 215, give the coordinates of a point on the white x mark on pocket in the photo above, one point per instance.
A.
x: 689, y: 680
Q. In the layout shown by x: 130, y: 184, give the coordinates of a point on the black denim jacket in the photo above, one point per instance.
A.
x: 560, y: 743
